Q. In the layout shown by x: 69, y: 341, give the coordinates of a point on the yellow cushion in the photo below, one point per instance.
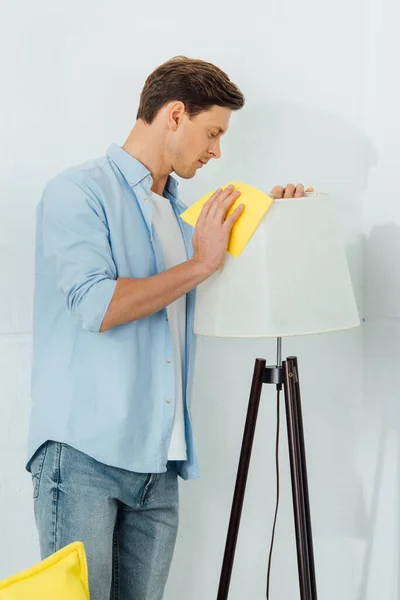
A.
x: 256, y: 203
x: 61, y: 576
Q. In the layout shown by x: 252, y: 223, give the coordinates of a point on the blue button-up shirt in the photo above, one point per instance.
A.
x: 105, y: 394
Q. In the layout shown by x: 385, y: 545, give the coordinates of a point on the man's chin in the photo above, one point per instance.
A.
x: 184, y: 174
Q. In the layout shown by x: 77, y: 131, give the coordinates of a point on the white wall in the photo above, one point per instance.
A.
x: 71, y: 77
x: 379, y: 450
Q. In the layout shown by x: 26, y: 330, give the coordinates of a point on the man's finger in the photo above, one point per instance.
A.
x: 310, y: 190
x: 299, y: 192
x: 231, y: 220
x: 226, y: 203
x: 220, y: 199
x: 289, y: 191
x: 207, y: 205
x: 277, y: 191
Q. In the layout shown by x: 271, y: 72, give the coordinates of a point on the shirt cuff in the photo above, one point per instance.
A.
x: 95, y: 304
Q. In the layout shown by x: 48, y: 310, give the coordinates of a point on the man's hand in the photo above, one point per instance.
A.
x: 290, y: 191
x: 137, y: 298
x: 213, y: 229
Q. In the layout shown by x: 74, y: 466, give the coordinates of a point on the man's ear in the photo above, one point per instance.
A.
x: 176, y: 113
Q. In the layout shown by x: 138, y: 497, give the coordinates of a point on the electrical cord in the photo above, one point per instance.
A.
x: 277, y: 486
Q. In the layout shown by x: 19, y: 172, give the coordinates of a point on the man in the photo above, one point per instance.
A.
x: 116, y: 270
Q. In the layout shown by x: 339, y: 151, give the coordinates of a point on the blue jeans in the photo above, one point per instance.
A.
x: 127, y: 521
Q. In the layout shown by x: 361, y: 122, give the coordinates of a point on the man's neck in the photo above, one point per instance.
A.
x: 145, y: 144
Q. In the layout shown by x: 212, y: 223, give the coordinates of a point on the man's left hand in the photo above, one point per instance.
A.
x: 290, y: 191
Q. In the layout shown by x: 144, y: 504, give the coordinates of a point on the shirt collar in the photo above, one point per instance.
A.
x: 135, y: 172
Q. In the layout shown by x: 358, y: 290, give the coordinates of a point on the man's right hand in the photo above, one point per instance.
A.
x: 213, y: 229
x: 135, y: 299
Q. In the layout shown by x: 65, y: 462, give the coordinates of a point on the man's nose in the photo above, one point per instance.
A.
x: 215, y: 150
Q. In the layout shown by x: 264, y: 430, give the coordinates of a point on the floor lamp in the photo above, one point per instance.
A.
x: 292, y: 278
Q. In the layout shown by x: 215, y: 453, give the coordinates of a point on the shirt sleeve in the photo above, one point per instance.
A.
x: 75, y: 238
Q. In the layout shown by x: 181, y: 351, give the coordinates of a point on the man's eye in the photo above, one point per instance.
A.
x: 212, y: 135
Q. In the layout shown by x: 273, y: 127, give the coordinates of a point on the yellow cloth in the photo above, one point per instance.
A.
x: 61, y: 576
x: 256, y: 204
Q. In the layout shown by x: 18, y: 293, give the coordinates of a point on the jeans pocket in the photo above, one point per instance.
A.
x: 36, y: 468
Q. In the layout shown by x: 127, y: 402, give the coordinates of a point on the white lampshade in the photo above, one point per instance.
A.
x: 292, y: 278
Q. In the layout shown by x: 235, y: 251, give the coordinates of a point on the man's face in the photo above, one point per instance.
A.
x: 197, y: 140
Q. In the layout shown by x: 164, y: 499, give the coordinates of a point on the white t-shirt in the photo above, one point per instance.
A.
x: 169, y: 232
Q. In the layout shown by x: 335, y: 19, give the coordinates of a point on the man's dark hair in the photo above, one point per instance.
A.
x: 198, y: 84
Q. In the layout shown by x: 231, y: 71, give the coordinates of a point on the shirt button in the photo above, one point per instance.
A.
x: 168, y: 359
x: 146, y: 199
x: 168, y: 400
x: 147, y: 178
x: 166, y: 318
x: 151, y: 239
